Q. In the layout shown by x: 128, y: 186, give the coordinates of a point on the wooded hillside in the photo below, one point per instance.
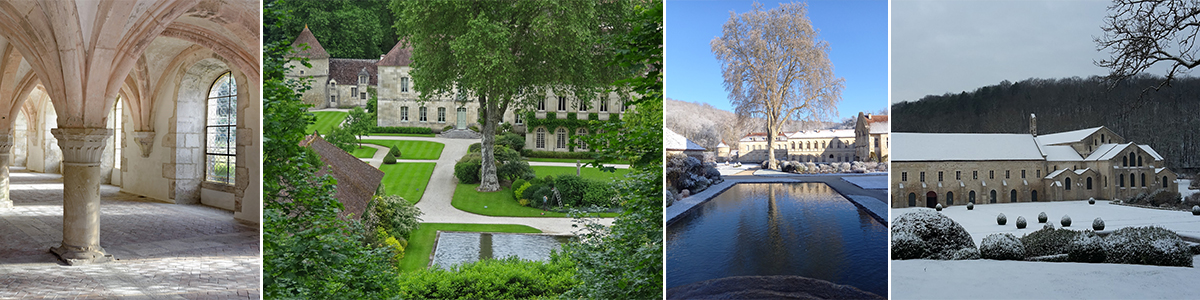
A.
x: 707, y: 125
x: 1168, y: 119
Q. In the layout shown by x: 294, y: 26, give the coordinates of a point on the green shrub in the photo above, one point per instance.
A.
x: 520, y: 190
x: 571, y: 188
x: 473, y: 128
x: 342, y: 139
x: 1147, y: 246
x: 517, y: 184
x: 509, y: 165
x: 387, y: 241
x: 447, y: 128
x: 1048, y: 241
x: 394, y: 151
x: 393, y: 214
x: 475, y: 148
x: 1001, y: 246
x: 508, y: 278
x: 599, y: 193
x: 555, y: 154
x: 1086, y: 247
x: 512, y: 141
x: 403, y: 130
x: 535, y: 195
x: 467, y: 168
x: 389, y: 158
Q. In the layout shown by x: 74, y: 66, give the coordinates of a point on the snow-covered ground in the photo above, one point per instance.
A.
x: 732, y: 168
x: 975, y: 279
x: 1183, y: 187
x: 981, y: 222
x: 869, y: 182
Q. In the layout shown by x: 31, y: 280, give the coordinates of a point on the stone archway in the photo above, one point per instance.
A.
x: 912, y: 199
x: 931, y: 199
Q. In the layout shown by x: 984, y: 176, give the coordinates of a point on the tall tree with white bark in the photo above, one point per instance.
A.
x: 777, y: 68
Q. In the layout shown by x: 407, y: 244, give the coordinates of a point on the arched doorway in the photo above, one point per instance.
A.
x: 1089, y: 183
x: 993, y: 199
x: 1033, y: 195
x: 931, y: 199
x: 971, y: 197
x: 949, y: 198
x: 1012, y: 196
x: 912, y: 200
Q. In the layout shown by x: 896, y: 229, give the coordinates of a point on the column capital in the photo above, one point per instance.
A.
x: 145, y: 140
x: 82, y: 146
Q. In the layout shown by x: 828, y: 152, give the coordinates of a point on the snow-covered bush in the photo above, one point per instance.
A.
x: 1001, y: 246
x: 906, y: 245
x: 843, y: 167
x: 938, y: 207
x: 1092, y: 200
x: 811, y: 168
x: 1048, y: 226
x: 965, y: 254
x: 1066, y: 221
x: 1147, y: 246
x: 970, y: 205
x: 1048, y: 241
x: 939, y: 235
x: 688, y: 173
x: 826, y: 169
x: 1042, y: 217
x: 1001, y: 219
x: 1098, y: 224
x: 1196, y: 210
x: 1086, y: 247
x: 1020, y: 222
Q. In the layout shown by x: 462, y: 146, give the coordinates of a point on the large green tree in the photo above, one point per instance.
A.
x: 346, y: 28
x: 510, y: 54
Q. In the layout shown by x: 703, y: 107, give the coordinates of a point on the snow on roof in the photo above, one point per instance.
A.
x: 1151, y: 151
x: 1112, y: 150
x: 722, y: 145
x: 1061, y: 153
x: 1081, y: 171
x: 879, y: 128
x: 907, y: 146
x: 1066, y: 137
x: 822, y: 134
x: 675, y: 142
x: 1055, y: 173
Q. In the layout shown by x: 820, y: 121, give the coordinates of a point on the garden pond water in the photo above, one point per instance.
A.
x: 455, y: 248
x: 804, y: 229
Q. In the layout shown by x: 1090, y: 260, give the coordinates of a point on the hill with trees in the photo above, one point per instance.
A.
x: 1167, y: 119
x: 707, y: 125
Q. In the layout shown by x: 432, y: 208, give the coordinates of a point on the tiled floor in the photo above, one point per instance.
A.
x: 163, y: 251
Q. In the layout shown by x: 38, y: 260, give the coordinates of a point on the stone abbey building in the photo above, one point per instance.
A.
x: 868, y: 141
x: 548, y: 125
x: 957, y: 168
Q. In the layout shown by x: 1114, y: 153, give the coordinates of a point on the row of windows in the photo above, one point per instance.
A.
x: 974, y: 175
x: 931, y: 197
x: 579, y: 105
x: 838, y: 144
x: 560, y: 139
x: 1130, y: 162
x: 422, y: 114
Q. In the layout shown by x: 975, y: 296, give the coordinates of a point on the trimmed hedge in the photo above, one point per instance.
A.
x: 554, y: 154
x: 1001, y: 246
x: 399, y: 129
x: 508, y: 278
x: 1147, y: 246
x: 1048, y: 241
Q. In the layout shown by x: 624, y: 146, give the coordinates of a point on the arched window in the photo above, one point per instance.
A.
x: 540, y: 140
x: 912, y: 199
x: 561, y: 134
x: 1121, y: 180
x: 993, y: 199
x: 1132, y: 160
x: 1068, y: 185
x: 1012, y: 196
x: 1139, y: 160
x: 221, y: 130
x: 1164, y: 181
x: 971, y: 197
x: 1089, y: 183
x: 1132, y: 180
x: 1124, y: 161
x: 1143, y: 179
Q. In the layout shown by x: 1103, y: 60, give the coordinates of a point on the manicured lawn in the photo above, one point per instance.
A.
x: 408, y: 180
x: 570, y: 160
x: 403, y: 134
x: 413, y: 149
x: 326, y: 120
x: 587, y: 172
x: 420, y: 242
x: 364, y: 152
x: 498, y: 204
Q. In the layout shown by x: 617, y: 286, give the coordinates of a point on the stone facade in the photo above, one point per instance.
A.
x: 822, y: 146
x: 954, y: 169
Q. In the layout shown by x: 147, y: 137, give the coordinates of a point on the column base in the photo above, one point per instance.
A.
x: 75, y: 256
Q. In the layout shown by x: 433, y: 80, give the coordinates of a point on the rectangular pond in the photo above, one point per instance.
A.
x: 454, y: 248
x: 804, y: 229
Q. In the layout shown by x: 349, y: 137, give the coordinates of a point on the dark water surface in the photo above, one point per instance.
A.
x: 455, y: 248
x: 805, y: 229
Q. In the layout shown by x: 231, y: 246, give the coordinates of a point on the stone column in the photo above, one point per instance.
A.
x: 6, y: 143
x: 82, y: 149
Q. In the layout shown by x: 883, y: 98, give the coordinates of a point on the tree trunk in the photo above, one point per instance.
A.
x: 488, y: 181
x: 771, y: 132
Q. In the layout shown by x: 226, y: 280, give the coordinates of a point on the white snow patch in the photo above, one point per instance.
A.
x: 1183, y: 187
x: 869, y: 182
x: 976, y: 279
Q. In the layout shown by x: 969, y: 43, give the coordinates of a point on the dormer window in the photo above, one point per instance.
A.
x: 362, y: 79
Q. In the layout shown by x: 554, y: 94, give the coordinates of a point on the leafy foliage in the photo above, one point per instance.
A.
x: 508, y: 278
x: 342, y: 138
x: 359, y: 123
x: 345, y: 28
x: 394, y: 214
x: 399, y: 129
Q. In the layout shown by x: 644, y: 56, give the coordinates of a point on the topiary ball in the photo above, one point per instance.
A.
x: 970, y: 205
x: 1092, y: 201
x: 1042, y: 217
x: 1020, y: 222
x: 1066, y: 221
x: 938, y: 207
x: 1001, y: 219
x: 1196, y: 210
x: 1098, y: 224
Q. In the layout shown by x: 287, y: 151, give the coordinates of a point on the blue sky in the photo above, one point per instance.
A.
x: 857, y: 32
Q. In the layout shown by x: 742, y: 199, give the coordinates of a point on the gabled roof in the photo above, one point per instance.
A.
x: 907, y: 146
x: 357, y: 181
x: 346, y: 70
x: 399, y: 56
x: 1066, y: 137
x: 1061, y: 153
x: 1055, y: 173
x: 1151, y: 152
x: 314, y: 51
x: 674, y: 142
x: 1108, y: 151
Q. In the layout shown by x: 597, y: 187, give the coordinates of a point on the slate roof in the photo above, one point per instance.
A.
x: 908, y: 146
x: 398, y: 56
x: 357, y: 180
x: 314, y: 51
x: 345, y: 70
x: 1066, y: 137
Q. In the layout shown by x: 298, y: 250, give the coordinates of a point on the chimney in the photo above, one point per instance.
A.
x: 1033, y: 124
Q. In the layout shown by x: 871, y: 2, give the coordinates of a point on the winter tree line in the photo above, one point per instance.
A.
x: 1167, y: 119
x: 707, y: 125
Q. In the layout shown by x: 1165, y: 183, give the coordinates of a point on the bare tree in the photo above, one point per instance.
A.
x: 776, y: 68
x: 1142, y: 33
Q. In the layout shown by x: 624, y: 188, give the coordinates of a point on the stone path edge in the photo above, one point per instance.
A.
x: 687, y: 206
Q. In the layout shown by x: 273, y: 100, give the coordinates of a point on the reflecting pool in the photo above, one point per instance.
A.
x: 804, y: 229
x: 455, y: 248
